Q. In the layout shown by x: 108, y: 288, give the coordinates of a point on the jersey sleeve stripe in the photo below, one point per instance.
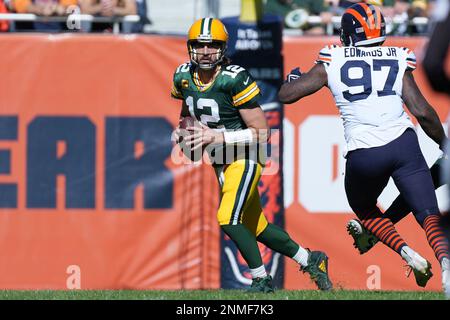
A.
x: 174, y: 93
x: 176, y: 97
x: 244, y: 92
x: 324, y: 54
x: 249, y: 96
x: 324, y: 59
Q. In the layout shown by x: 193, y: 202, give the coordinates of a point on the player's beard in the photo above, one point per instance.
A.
x: 211, y: 64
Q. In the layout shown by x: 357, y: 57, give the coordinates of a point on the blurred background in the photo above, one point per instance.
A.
x: 91, y: 193
x: 316, y: 17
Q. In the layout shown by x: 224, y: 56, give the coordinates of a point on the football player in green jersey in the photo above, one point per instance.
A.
x: 223, y: 98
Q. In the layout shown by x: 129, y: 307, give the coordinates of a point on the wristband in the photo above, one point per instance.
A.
x: 239, y: 136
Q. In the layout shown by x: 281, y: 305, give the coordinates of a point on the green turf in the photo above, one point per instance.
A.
x: 217, y: 295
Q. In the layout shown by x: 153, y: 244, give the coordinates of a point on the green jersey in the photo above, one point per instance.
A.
x: 216, y: 104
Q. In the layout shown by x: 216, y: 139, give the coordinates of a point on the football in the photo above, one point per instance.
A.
x: 185, y: 123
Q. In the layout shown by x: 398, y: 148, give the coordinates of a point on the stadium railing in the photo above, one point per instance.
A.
x: 71, y: 20
x: 336, y: 23
x: 116, y: 21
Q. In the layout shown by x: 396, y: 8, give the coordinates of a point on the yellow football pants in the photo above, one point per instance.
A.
x: 240, y: 198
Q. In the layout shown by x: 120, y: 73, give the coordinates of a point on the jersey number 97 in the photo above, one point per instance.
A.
x: 365, y: 80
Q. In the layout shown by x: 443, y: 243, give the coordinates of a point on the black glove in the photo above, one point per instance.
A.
x: 293, y: 75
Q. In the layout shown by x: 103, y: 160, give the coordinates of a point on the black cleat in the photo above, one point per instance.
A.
x: 262, y: 285
x: 318, y: 270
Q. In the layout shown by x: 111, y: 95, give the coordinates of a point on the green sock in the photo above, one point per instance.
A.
x: 246, y: 243
x: 277, y: 239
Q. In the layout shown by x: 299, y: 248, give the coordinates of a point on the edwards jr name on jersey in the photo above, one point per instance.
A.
x: 366, y: 83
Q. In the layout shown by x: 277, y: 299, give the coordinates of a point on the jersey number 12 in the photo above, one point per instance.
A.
x: 209, y: 110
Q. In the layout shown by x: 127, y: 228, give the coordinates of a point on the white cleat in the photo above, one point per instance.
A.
x: 363, y: 239
x: 446, y: 277
x: 421, y: 268
x: 446, y: 283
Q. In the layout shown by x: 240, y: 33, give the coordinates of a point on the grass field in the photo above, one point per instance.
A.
x: 216, y: 295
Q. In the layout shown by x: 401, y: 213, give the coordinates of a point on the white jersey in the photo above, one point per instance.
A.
x: 367, y: 86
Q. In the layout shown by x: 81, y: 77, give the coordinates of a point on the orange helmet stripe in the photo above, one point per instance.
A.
x: 361, y: 20
x: 372, y: 29
x: 377, y: 30
x: 370, y: 17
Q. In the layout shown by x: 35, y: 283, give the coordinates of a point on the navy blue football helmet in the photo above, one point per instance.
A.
x: 363, y: 25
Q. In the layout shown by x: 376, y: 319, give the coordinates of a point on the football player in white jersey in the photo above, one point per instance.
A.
x: 433, y: 66
x: 370, y: 83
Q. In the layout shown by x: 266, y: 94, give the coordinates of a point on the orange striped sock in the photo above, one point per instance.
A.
x: 384, y: 229
x: 436, y: 237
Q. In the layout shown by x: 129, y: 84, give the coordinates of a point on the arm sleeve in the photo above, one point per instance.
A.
x: 245, y: 92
